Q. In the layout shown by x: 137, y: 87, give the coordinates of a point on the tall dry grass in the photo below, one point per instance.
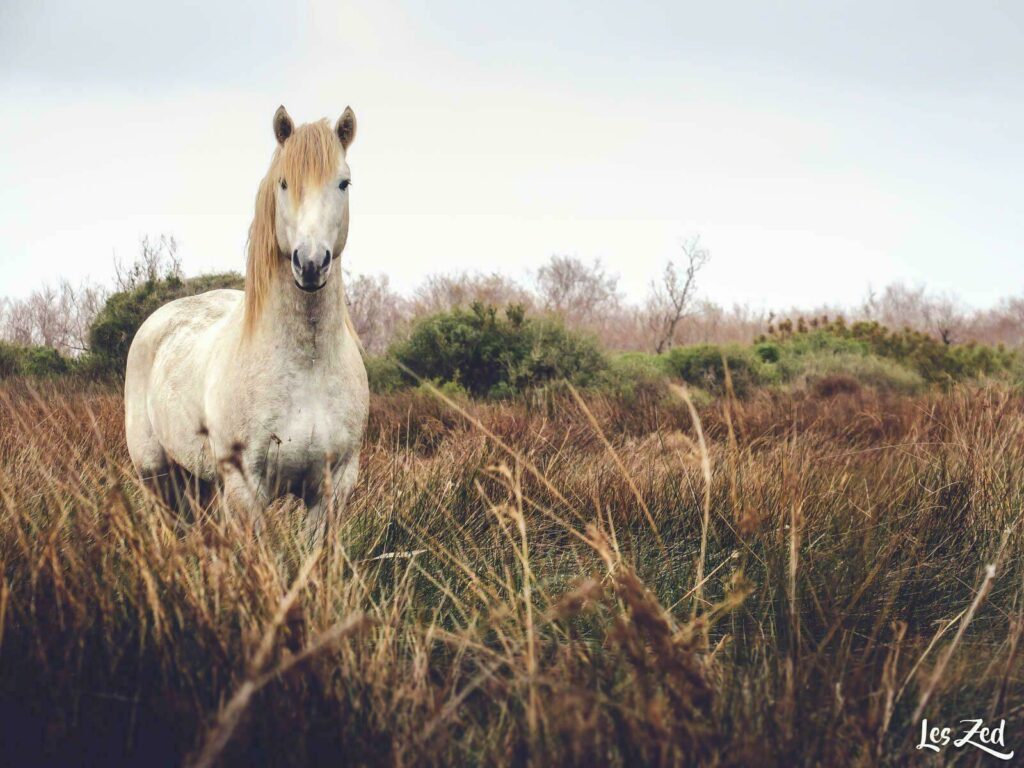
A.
x: 548, y: 582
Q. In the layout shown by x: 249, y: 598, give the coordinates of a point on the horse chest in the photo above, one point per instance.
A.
x: 294, y: 422
x: 309, y: 428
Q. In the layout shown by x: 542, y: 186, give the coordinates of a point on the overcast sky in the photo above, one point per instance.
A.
x: 817, y: 147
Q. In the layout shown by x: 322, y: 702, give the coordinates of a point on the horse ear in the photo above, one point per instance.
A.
x: 346, y: 127
x: 283, y: 125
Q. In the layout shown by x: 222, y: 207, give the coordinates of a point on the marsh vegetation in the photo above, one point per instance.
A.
x: 777, y: 578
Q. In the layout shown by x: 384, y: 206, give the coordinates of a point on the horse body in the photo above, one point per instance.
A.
x: 264, y: 391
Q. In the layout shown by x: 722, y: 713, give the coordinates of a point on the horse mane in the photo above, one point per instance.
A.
x: 308, y: 157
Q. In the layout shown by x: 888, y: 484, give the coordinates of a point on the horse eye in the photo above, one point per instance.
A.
x: 344, y: 184
x: 284, y: 184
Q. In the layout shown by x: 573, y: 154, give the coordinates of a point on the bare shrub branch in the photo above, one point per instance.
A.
x: 158, y: 259
x: 672, y: 298
x: 376, y: 310
x: 582, y: 295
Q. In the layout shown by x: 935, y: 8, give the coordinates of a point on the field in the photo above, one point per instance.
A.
x: 560, y: 579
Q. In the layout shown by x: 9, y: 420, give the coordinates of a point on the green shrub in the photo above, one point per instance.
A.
x: 35, y: 361
x: 868, y: 370
x: 449, y: 389
x: 820, y: 342
x: 45, y: 361
x: 92, y: 367
x: 978, y: 360
x: 11, y: 357
x: 383, y: 374
x: 503, y: 390
x: 932, y: 359
x: 633, y: 375
x: 111, y: 333
x: 703, y: 365
x: 494, y: 356
x: 768, y: 352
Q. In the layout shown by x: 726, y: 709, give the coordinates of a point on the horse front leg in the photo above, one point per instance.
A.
x: 325, y: 510
x: 243, y: 495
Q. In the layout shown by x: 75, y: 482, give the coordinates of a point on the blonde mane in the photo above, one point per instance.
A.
x: 308, y: 157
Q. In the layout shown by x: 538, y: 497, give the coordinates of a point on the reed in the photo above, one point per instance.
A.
x: 572, y: 579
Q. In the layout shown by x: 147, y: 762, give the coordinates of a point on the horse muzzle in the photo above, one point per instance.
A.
x: 311, y: 268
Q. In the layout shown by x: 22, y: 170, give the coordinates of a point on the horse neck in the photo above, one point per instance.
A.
x: 305, y: 328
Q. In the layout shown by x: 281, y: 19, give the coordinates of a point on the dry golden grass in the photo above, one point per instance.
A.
x: 550, y: 582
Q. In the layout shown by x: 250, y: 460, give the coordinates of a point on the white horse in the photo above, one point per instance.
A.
x: 264, y: 390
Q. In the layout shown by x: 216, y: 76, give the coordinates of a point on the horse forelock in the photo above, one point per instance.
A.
x: 308, y: 159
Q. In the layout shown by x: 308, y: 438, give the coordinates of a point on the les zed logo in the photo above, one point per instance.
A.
x: 977, y: 735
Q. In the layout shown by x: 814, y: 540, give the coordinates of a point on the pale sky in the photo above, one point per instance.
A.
x: 817, y: 147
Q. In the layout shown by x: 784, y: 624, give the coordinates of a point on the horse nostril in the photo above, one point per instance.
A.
x: 295, y: 258
x: 327, y: 257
